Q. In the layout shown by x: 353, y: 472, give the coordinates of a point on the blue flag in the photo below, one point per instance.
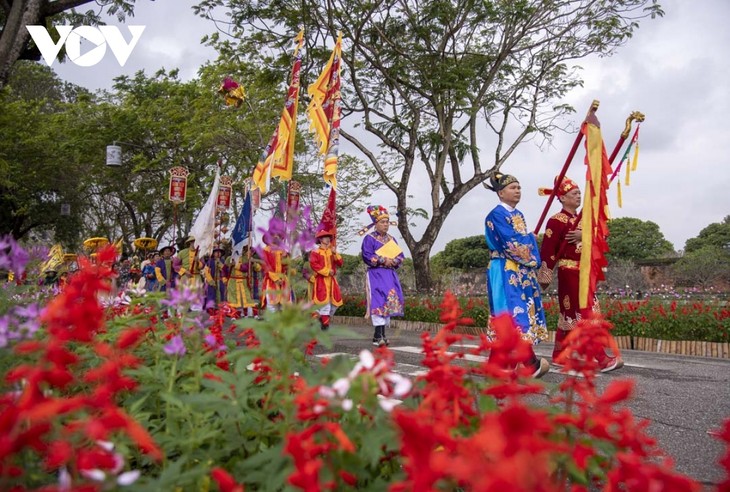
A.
x: 243, y: 227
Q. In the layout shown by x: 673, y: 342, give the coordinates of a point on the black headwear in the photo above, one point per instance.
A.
x: 500, y: 181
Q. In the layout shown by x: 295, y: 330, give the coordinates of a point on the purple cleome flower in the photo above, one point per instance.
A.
x: 19, y: 323
x: 176, y: 346
x: 12, y: 256
x: 183, y: 298
x: 294, y: 233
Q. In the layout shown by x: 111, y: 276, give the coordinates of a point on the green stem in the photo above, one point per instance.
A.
x: 173, y: 373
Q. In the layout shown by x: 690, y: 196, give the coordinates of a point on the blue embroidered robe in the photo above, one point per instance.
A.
x: 512, y: 273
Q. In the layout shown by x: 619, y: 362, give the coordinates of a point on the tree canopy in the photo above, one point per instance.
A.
x: 42, y: 155
x: 447, y: 90
x: 703, y: 267
x: 715, y: 235
x: 466, y: 253
x: 636, y: 239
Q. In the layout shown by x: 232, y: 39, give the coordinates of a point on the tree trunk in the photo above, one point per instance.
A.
x: 14, y: 36
x: 422, y: 268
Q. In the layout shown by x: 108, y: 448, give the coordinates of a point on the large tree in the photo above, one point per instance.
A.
x: 15, y: 15
x: 438, y: 94
x: 636, y: 239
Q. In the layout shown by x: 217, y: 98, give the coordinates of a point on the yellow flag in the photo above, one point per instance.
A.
x: 55, y: 259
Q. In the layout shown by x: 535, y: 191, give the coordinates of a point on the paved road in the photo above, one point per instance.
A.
x: 682, y: 397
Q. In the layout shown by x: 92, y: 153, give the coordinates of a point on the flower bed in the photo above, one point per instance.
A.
x: 703, y: 321
x: 147, y: 392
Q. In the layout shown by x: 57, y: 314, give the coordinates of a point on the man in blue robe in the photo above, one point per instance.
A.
x: 512, y: 285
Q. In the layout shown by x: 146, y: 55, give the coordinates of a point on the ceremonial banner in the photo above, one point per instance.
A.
x: 595, y: 213
x: 203, y: 229
x: 277, y: 159
x: 55, y: 259
x: 242, y: 230
x: 233, y: 93
x: 262, y: 171
x: 283, y: 164
x: 178, y: 184
x: 223, y: 202
x: 325, y: 110
x: 255, y: 199
x: 329, y: 216
x: 292, y: 198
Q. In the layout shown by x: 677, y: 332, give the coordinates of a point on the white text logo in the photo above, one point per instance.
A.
x: 100, y: 36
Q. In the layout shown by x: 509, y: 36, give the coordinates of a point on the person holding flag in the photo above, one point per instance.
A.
x: 243, y: 282
x: 562, y: 247
x: 324, y: 261
x: 276, y: 287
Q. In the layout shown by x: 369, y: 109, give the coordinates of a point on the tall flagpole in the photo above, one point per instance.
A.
x: 578, y: 138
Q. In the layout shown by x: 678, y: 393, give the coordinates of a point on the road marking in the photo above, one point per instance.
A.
x: 419, y: 350
x: 335, y: 354
x: 413, y: 370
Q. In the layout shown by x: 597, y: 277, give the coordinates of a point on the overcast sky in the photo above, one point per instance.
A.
x: 675, y: 70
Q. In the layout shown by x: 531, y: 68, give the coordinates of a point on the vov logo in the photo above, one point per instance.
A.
x: 100, y: 36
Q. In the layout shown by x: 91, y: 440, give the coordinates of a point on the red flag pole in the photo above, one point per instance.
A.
x: 578, y: 138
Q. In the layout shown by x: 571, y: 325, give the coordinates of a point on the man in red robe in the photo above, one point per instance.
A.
x: 561, y: 246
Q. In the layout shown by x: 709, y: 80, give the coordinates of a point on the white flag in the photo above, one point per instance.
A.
x: 203, y: 229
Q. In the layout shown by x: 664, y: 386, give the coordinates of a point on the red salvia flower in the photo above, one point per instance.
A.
x: 226, y: 483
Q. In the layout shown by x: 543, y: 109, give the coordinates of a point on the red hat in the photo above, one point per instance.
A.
x: 566, y: 185
x: 323, y: 233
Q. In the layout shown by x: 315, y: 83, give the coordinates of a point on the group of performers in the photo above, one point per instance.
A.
x: 518, y: 269
x: 222, y: 280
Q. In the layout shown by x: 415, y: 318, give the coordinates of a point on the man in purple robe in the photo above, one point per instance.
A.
x: 382, y: 257
x: 165, y: 271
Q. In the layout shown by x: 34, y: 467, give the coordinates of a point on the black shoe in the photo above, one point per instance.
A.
x: 387, y: 342
x: 376, y: 341
x: 539, y: 369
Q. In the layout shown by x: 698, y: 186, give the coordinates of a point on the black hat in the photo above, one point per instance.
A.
x: 500, y: 181
x: 170, y: 247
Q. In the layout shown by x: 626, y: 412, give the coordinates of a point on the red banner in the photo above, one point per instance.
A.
x: 292, y: 199
x: 223, y: 201
x: 178, y: 185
